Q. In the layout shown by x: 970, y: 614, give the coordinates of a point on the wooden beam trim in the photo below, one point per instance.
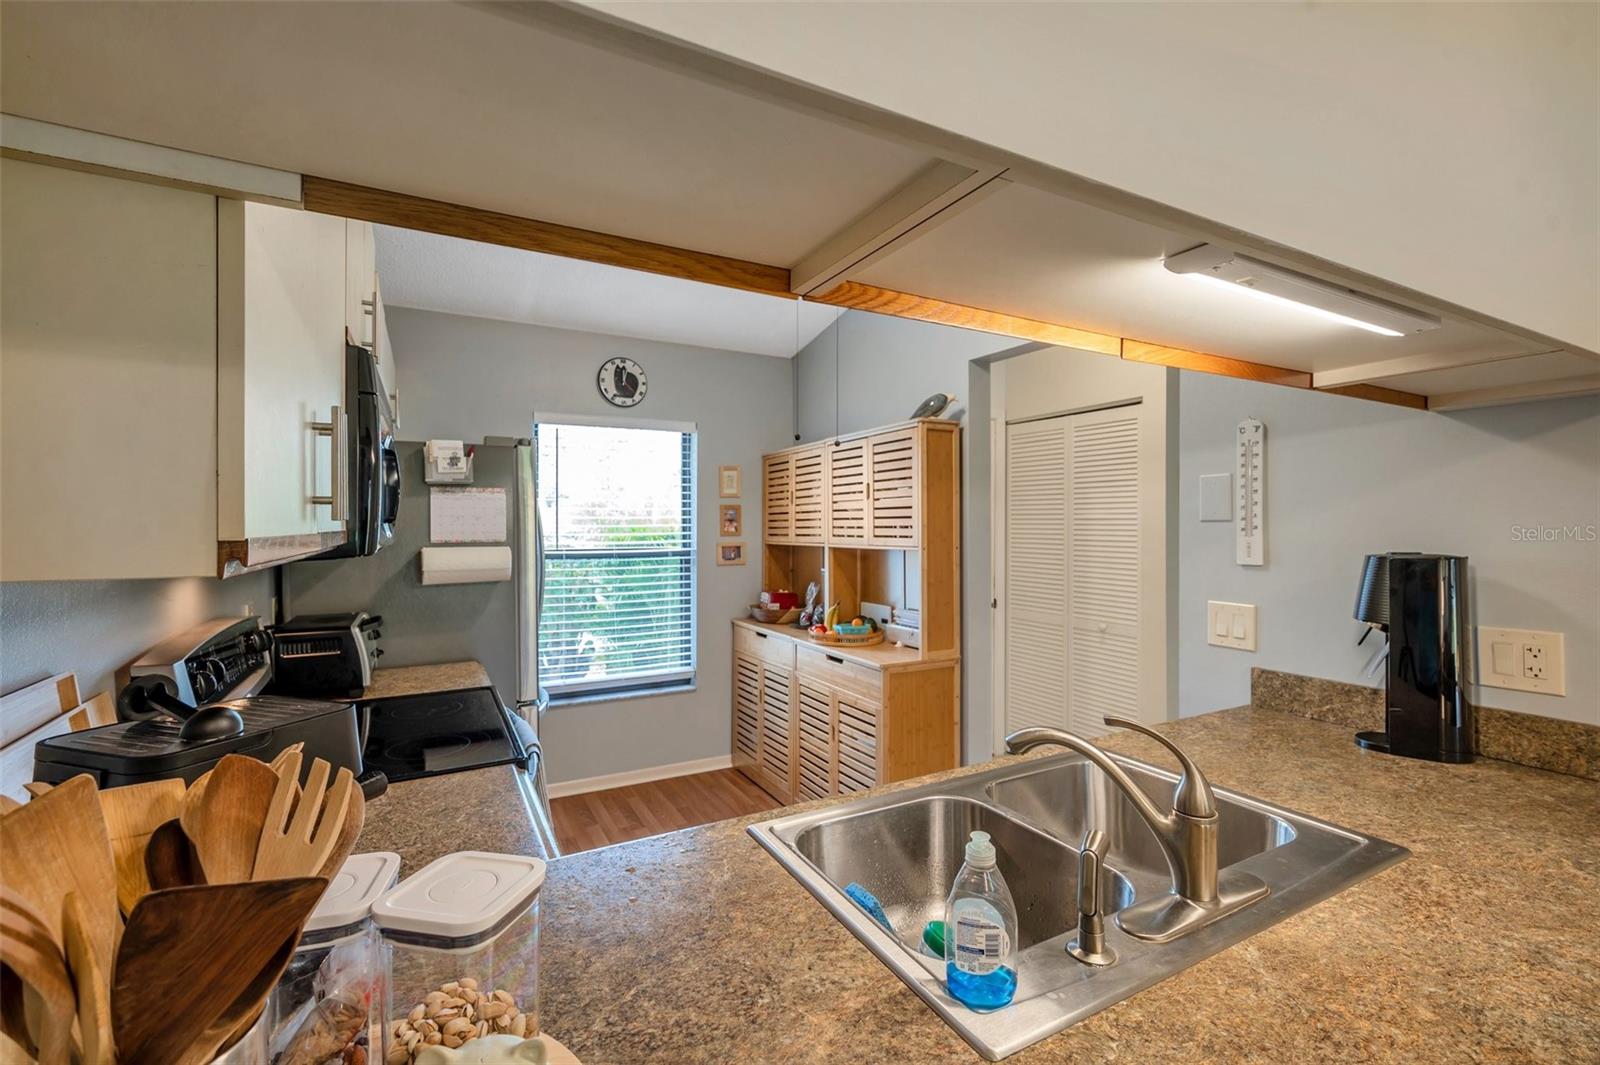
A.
x: 1161, y: 355
x: 856, y: 296
x: 1380, y: 394
x: 326, y: 196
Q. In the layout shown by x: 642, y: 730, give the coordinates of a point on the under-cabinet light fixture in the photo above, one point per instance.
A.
x: 1286, y: 287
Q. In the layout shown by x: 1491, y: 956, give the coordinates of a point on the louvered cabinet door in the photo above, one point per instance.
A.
x: 746, y: 713
x: 1102, y: 554
x: 893, y: 489
x: 847, y: 492
x: 814, y: 707
x: 777, y: 743
x: 777, y: 498
x: 808, y: 476
x: 857, y: 742
x: 1035, y: 666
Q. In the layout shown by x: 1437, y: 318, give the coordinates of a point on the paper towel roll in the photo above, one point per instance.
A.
x: 465, y: 565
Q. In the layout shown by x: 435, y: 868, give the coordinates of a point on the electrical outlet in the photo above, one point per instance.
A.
x: 1522, y: 660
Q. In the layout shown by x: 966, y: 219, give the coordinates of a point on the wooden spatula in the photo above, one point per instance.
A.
x: 170, y: 860
x: 132, y: 813
x: 298, y: 846
x: 47, y: 996
x: 224, y: 824
x: 57, y: 844
x: 202, y: 947
x: 91, y: 981
x: 354, y: 818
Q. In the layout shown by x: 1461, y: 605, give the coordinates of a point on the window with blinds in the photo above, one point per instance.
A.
x: 617, y: 510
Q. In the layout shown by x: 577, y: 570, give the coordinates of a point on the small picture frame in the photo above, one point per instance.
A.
x: 730, y: 520
x: 729, y: 483
x: 730, y: 554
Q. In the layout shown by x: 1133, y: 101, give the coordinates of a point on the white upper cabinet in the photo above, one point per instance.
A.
x: 108, y: 415
x: 360, y: 283
x: 281, y: 317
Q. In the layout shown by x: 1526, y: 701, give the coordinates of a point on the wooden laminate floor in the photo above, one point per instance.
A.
x: 601, y: 818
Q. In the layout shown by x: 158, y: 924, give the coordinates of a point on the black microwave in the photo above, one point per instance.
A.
x: 373, y: 476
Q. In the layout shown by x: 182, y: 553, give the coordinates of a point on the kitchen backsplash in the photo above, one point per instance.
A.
x: 1542, y: 742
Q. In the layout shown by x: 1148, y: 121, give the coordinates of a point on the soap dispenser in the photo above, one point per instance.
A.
x: 980, y: 939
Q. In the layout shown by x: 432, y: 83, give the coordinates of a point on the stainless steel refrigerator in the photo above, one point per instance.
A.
x: 496, y: 623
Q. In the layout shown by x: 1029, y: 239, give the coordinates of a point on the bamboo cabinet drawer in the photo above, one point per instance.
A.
x: 764, y: 647
x: 852, y: 677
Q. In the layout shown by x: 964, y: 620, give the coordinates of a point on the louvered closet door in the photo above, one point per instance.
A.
x: 814, y: 707
x: 1072, y: 578
x: 847, y: 492
x: 1103, y: 567
x: 776, y: 745
x: 858, y: 743
x: 777, y: 498
x: 1036, y: 575
x: 807, y: 475
x: 892, y: 495
x: 746, y: 712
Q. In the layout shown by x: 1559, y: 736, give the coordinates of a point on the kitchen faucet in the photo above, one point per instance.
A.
x: 1187, y: 835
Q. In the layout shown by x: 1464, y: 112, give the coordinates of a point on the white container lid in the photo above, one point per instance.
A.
x: 353, y: 889
x: 461, y: 894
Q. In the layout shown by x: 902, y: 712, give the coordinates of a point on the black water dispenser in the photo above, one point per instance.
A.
x: 1420, y: 600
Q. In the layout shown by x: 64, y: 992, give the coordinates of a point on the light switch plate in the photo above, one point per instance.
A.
x: 1231, y: 625
x: 1216, y: 497
x: 1522, y: 660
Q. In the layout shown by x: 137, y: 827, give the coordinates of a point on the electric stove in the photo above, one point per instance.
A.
x: 411, y: 736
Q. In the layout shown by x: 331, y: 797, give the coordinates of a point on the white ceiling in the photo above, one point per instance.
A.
x: 1039, y: 255
x: 454, y: 102
x: 488, y: 281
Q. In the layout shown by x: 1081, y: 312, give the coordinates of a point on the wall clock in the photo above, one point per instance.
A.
x: 622, y: 382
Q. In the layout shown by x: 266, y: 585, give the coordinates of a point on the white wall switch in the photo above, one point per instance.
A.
x: 1231, y: 625
x: 1216, y: 497
x: 1522, y: 660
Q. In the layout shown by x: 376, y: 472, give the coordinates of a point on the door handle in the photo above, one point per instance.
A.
x: 334, y: 430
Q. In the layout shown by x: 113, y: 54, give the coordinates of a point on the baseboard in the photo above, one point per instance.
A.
x: 639, y: 776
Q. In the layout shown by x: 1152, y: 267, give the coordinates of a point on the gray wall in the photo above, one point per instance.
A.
x: 1346, y: 477
x: 93, y: 628
x: 879, y: 368
x: 464, y: 378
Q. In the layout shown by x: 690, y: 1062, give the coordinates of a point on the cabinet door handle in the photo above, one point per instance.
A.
x: 834, y: 658
x: 369, y: 310
x: 334, y: 430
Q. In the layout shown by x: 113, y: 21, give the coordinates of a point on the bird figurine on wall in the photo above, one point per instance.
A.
x: 933, y: 406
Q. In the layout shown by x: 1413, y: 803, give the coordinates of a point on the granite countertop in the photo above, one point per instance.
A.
x: 698, y: 946
x: 479, y: 809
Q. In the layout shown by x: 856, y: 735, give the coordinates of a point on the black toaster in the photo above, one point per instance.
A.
x: 325, y: 656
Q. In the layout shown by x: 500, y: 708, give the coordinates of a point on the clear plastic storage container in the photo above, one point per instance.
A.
x: 328, y: 1005
x: 463, y: 941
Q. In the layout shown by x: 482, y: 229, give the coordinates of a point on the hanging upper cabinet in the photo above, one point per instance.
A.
x: 281, y: 322
x: 777, y: 497
x: 847, y: 492
x: 893, y: 488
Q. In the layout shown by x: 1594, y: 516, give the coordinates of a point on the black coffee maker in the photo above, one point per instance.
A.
x: 1420, y: 601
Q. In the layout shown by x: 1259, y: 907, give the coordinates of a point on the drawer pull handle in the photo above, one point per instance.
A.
x: 762, y: 635
x: 834, y: 658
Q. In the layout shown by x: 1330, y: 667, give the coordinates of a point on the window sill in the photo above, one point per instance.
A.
x: 619, y: 695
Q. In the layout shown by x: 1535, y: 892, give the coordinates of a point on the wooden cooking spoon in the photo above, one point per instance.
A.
x: 170, y: 860
x: 91, y: 983
x: 132, y: 813
x: 48, y: 997
x: 204, y: 947
x: 224, y: 823
x: 58, y: 844
x: 298, y: 846
x: 354, y: 818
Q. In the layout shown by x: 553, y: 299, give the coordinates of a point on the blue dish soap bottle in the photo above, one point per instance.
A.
x: 980, y: 923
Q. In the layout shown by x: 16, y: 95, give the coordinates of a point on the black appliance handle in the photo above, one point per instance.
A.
x: 374, y: 782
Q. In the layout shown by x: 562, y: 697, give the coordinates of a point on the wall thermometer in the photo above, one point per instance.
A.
x: 1250, y: 474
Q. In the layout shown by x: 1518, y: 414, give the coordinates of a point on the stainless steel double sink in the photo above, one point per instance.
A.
x: 906, y: 847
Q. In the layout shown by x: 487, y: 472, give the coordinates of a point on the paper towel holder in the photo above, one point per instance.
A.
x: 447, y: 462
